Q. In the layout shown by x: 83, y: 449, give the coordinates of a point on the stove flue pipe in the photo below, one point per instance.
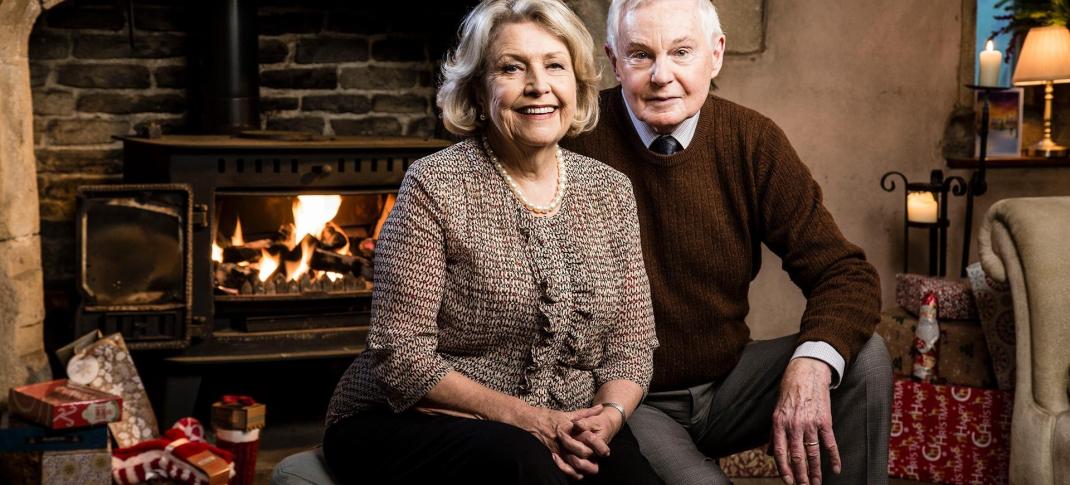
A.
x: 230, y: 77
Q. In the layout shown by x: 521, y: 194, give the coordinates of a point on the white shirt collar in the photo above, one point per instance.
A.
x: 683, y: 133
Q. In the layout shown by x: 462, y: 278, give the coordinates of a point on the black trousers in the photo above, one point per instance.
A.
x: 412, y: 447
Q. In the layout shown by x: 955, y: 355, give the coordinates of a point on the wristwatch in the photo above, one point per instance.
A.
x: 618, y: 407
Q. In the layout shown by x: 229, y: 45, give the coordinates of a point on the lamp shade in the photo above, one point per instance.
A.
x: 1045, y: 56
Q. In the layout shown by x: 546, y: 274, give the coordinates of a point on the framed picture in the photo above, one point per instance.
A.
x: 1004, y: 123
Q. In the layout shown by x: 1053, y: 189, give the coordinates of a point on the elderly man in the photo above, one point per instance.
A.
x: 713, y: 182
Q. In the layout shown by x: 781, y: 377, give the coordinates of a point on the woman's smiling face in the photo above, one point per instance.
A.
x: 530, y: 85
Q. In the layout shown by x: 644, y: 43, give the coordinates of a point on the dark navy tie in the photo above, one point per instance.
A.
x: 665, y: 145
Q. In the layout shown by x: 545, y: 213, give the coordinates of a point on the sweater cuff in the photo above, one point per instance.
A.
x: 825, y: 353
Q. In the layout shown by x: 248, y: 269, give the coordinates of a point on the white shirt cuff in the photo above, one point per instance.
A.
x: 825, y: 353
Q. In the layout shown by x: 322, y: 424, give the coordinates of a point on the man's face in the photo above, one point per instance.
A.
x: 665, y: 60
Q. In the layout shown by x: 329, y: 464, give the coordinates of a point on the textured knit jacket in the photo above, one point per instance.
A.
x: 704, y: 213
x: 466, y: 279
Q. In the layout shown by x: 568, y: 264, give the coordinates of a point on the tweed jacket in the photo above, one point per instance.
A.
x: 466, y: 279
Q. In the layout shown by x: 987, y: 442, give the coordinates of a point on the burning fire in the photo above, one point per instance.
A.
x: 237, y: 239
x: 268, y: 264
x: 312, y: 231
x: 312, y: 213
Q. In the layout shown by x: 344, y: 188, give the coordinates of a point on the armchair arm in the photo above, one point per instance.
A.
x: 1024, y: 242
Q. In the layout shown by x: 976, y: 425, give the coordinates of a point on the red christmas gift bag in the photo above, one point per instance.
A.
x: 950, y: 434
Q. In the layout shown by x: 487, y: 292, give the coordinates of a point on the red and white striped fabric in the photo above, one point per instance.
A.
x: 167, y: 457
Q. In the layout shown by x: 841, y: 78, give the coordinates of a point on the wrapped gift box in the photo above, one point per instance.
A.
x: 61, y: 404
x: 238, y: 413
x: 17, y: 434
x: 106, y: 365
x: 749, y: 464
x: 954, y: 300
x: 963, y: 359
x: 80, y: 467
x: 950, y: 434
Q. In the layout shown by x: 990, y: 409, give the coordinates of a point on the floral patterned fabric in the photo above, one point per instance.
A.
x: 996, y: 309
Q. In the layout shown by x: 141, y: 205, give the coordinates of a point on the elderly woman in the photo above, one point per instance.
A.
x: 512, y: 332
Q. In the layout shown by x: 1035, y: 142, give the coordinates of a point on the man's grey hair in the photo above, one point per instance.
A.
x: 711, y: 23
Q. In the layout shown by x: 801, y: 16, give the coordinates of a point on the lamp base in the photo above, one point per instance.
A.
x: 1046, y: 148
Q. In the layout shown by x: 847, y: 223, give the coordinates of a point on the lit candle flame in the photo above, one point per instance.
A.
x: 989, y: 45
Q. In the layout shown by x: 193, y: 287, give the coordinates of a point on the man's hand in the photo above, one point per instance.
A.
x: 802, y: 423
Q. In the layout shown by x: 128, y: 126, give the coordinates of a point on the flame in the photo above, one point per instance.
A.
x: 217, y: 253
x: 296, y: 270
x: 331, y: 275
x: 312, y: 212
x: 236, y: 239
x: 268, y: 264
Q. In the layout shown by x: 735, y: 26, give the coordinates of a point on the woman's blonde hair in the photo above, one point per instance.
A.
x: 465, y: 66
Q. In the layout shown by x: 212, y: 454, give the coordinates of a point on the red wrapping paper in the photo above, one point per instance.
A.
x: 244, y: 445
x: 61, y: 404
x: 236, y: 420
x: 950, y: 434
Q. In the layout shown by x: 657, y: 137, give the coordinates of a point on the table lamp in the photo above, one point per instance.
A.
x: 1045, y: 59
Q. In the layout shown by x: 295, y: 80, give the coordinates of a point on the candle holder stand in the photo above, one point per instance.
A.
x: 940, y: 187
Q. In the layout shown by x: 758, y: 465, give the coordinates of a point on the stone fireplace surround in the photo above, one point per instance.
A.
x: 22, y: 356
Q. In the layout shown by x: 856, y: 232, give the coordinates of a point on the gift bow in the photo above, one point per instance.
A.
x: 238, y: 400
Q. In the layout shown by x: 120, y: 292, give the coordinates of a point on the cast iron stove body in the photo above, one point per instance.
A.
x: 202, y: 251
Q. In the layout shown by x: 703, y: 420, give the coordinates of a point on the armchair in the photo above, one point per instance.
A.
x: 1025, y: 242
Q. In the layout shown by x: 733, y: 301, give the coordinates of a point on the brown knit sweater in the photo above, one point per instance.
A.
x: 704, y: 213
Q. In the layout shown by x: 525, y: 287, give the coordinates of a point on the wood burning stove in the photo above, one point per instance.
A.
x: 228, y: 249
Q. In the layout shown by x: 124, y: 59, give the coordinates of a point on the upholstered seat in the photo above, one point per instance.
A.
x: 304, y: 468
x: 1023, y: 242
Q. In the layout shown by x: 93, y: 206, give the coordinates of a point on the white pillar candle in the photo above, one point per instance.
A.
x: 922, y: 207
x: 990, y: 61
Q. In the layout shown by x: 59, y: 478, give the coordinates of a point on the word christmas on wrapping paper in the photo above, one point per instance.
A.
x: 949, y: 434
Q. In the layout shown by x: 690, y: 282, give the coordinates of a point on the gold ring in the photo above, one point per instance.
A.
x: 812, y: 443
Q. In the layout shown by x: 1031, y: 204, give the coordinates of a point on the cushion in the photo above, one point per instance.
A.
x: 304, y: 468
x: 996, y: 310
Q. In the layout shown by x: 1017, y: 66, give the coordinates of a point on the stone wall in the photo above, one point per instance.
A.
x: 22, y: 357
x: 326, y: 67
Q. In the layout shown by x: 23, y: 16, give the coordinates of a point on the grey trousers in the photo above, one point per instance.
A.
x: 682, y: 432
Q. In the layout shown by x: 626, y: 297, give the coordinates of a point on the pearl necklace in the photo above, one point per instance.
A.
x: 559, y: 193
